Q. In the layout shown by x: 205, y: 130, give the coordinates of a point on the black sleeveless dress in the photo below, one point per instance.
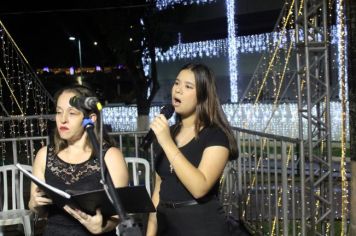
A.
x: 75, y: 177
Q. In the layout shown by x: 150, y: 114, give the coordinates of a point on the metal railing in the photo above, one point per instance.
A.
x: 262, y: 187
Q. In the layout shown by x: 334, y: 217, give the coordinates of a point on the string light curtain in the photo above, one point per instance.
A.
x: 21, y: 95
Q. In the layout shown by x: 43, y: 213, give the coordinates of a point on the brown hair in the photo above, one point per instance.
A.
x: 208, y: 109
x: 81, y: 91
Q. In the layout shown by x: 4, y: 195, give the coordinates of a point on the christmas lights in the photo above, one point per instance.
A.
x: 256, y: 43
x: 230, y: 9
x: 164, y: 4
x: 343, y: 94
x: 341, y: 41
x: 253, y: 117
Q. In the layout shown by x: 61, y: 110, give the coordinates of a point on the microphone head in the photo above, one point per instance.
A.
x: 86, y: 103
x: 167, y: 110
x: 75, y: 101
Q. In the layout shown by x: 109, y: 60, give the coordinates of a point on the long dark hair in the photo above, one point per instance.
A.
x: 208, y: 109
x: 81, y: 91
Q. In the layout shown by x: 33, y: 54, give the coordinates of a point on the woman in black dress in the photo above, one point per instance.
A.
x: 70, y: 164
x: 194, y: 154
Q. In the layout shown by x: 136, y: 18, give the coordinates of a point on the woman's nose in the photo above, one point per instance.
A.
x: 63, y: 118
x: 178, y: 89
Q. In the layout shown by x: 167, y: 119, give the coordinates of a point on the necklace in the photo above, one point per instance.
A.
x: 182, y: 141
x: 71, y: 167
x: 171, y: 168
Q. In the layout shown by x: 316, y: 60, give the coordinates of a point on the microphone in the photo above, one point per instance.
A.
x: 88, y: 103
x: 167, y: 111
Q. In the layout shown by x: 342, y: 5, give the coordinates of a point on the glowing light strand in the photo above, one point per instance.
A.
x: 342, y: 76
x: 341, y: 37
x: 27, y: 96
x: 216, y: 48
x: 284, y: 121
x: 276, y: 100
x: 164, y: 4
x: 232, y: 49
x: 278, y: 46
x: 213, y: 48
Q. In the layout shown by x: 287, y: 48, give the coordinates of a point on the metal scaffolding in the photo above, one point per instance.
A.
x: 314, y: 114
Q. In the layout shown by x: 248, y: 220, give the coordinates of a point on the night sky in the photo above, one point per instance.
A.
x: 42, y: 31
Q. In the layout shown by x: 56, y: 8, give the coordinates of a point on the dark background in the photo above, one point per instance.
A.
x: 42, y: 29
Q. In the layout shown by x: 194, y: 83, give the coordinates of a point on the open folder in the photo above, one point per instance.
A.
x: 134, y: 199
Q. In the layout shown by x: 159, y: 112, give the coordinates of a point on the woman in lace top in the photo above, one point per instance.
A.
x: 71, y: 164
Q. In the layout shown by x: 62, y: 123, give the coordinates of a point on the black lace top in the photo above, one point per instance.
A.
x: 84, y: 176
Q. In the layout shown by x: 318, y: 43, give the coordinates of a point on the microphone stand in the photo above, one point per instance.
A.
x: 129, y: 226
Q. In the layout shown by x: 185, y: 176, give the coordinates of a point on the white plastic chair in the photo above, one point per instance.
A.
x: 136, y: 166
x: 12, y: 206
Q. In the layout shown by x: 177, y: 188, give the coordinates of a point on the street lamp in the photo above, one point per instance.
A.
x: 80, y: 53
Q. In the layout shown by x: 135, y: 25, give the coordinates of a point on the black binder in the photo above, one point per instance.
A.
x: 135, y: 199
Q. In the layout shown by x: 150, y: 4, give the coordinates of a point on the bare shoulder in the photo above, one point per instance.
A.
x: 42, y: 151
x: 113, y: 154
x: 117, y: 167
x: 41, y: 154
x: 39, y: 163
x: 113, y: 151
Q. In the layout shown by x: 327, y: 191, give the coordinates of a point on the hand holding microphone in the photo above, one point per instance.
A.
x: 167, y: 111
